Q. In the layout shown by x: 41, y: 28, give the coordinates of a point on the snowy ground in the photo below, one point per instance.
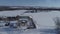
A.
x: 30, y: 31
x: 43, y: 20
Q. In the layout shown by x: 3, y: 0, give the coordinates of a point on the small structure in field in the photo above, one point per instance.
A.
x: 21, y: 22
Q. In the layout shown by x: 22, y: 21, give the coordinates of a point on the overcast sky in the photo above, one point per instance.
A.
x: 47, y: 3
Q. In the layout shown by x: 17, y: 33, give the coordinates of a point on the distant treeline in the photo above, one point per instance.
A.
x: 5, y: 8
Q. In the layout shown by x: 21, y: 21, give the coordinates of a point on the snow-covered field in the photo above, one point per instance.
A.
x: 43, y: 20
x: 27, y: 31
